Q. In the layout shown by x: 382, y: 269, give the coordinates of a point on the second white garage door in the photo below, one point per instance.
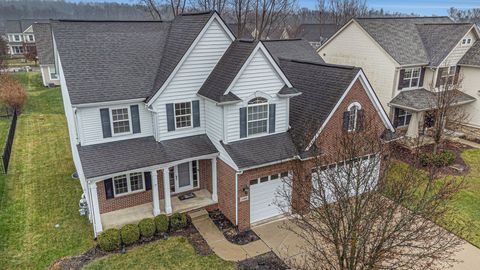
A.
x: 265, y: 199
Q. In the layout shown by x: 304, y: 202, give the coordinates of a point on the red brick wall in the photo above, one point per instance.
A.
x: 226, y: 189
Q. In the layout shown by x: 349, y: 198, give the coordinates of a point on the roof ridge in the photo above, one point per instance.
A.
x: 402, y: 17
x: 280, y: 39
x: 197, y: 13
x: 318, y: 63
x: 451, y: 23
x: 119, y: 21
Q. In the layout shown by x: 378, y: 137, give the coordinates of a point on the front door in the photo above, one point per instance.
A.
x: 183, y: 178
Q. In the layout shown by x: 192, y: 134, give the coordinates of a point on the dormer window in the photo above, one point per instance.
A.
x: 466, y: 41
x: 120, y: 121
x: 257, y: 116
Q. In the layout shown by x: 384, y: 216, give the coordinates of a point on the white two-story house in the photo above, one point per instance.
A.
x: 408, y: 60
x: 175, y: 116
x: 20, y: 36
x: 45, y: 53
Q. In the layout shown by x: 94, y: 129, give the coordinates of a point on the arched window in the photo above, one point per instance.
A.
x: 353, y: 116
x: 257, y: 116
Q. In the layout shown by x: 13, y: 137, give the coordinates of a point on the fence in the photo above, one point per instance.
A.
x: 7, y: 148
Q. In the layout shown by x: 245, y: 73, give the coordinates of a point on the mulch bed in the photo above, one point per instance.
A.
x: 77, y: 262
x: 267, y: 261
x: 401, y: 153
x: 229, y: 231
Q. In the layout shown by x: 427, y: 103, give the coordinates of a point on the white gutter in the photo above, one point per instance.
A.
x: 236, y: 196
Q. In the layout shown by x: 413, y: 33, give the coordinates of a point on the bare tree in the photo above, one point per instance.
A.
x: 242, y: 10
x: 464, y: 15
x: 207, y: 5
x: 354, y: 211
x: 447, y: 112
x: 153, y: 7
x: 3, y: 53
x: 341, y: 11
x: 270, y: 16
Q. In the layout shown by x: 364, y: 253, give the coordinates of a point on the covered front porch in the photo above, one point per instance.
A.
x: 118, y: 218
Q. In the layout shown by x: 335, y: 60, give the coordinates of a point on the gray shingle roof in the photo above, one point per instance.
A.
x: 106, y: 61
x: 423, y: 100
x: 120, y: 156
x: 440, y: 39
x: 19, y: 26
x: 315, y: 32
x: 399, y: 36
x: 321, y: 86
x: 225, y: 71
x: 44, y: 43
x: 472, y: 57
x: 296, y: 49
x: 257, y: 151
x: 181, y: 35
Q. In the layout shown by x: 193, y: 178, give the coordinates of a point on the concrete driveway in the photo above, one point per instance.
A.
x: 289, y: 246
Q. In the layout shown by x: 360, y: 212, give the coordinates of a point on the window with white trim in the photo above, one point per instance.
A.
x: 257, y: 116
x: 466, y: 41
x: 120, y: 120
x: 128, y: 183
x: 30, y: 38
x: 448, y: 74
x: 183, y: 114
x: 16, y: 37
x: 353, y: 116
x: 401, y: 117
x: 195, y: 173
x: 411, y: 78
x: 267, y: 178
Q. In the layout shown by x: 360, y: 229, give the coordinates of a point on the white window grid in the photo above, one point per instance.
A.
x: 128, y: 183
x: 412, y: 75
x: 183, y: 114
x: 120, y: 118
x: 257, y: 116
x: 267, y: 178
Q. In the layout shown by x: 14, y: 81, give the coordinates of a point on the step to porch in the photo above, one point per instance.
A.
x: 200, y: 214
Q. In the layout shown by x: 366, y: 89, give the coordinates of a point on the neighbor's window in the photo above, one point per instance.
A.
x: 127, y: 183
x: 183, y: 114
x: 30, y: 37
x: 195, y: 173
x: 466, y: 41
x: 353, y: 116
x: 411, y: 78
x: 120, y: 121
x: 257, y: 116
x: 401, y: 118
x: 17, y: 37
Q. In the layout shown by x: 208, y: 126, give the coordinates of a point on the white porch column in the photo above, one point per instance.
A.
x: 412, y: 131
x: 156, y: 197
x: 95, y: 208
x: 214, y: 180
x: 166, y: 190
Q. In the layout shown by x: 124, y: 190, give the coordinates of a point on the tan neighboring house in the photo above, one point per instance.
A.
x: 45, y: 54
x: 407, y: 59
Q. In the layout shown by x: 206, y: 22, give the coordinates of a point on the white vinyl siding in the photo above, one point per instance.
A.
x: 190, y: 77
x: 258, y: 77
x: 353, y: 46
x: 470, y: 85
x: 90, y: 124
x: 457, y: 53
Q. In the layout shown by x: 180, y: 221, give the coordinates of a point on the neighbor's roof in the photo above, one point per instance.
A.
x: 297, y: 49
x: 315, y: 32
x: 19, y: 26
x: 472, y: 57
x: 107, y: 61
x: 423, y: 100
x: 321, y: 85
x: 44, y: 43
x: 226, y: 70
x: 120, y: 156
x: 401, y: 38
x: 261, y: 150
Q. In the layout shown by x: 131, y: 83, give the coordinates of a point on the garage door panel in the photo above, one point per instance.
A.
x: 266, y: 200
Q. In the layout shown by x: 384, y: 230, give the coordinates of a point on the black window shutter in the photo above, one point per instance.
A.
x: 457, y: 74
x: 439, y: 77
x: 271, y: 118
x: 135, y: 119
x: 243, y: 122
x: 105, y: 117
x: 196, y: 113
x: 422, y: 76
x: 346, y: 116
x: 109, y: 188
x: 400, y: 79
x: 148, y: 180
x: 360, y: 120
x: 170, y: 117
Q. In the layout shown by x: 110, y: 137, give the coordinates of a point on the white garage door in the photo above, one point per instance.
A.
x: 266, y: 196
x: 370, y: 166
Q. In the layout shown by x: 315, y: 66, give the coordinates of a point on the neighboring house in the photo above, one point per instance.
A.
x: 20, y: 36
x: 250, y: 32
x: 314, y: 33
x: 157, y: 110
x: 45, y: 54
x: 408, y: 59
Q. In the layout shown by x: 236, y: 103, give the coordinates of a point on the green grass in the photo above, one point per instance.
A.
x: 19, y: 62
x: 4, y: 125
x: 173, y: 253
x: 38, y: 191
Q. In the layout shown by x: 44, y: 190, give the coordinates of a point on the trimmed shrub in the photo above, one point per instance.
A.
x: 147, y: 227
x: 440, y: 159
x: 109, y: 240
x: 178, y: 221
x: 130, y: 234
x: 161, y: 223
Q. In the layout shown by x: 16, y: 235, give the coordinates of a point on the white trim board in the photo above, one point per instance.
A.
x: 370, y: 93
x: 215, y: 16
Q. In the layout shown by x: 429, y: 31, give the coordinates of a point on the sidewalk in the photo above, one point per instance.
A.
x: 469, y: 143
x: 221, y: 246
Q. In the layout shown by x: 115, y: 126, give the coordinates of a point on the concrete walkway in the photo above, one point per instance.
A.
x: 221, y: 246
x: 469, y: 143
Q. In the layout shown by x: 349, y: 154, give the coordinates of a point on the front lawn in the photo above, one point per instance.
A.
x: 173, y: 253
x: 38, y: 191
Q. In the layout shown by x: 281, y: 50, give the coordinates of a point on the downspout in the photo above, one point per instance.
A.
x: 236, y: 196
x: 154, y: 120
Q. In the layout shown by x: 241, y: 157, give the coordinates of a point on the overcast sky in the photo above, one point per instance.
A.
x: 425, y: 7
